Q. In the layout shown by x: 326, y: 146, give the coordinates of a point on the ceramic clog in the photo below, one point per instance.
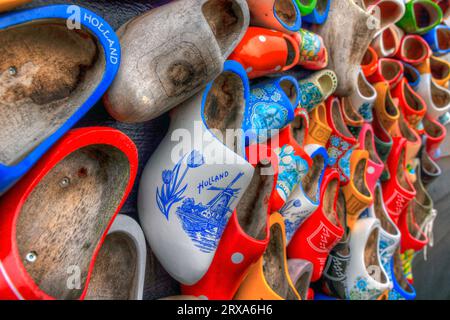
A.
x: 6, y: 5
x: 363, y: 97
x: 300, y: 272
x: 397, y: 191
x: 402, y: 289
x: 122, y: 257
x: 420, y: 16
x: 317, y: 88
x: 165, y: 60
x: 435, y: 134
x: 346, y: 50
x: 268, y: 278
x: 319, y: 131
x: 369, y: 62
x: 306, y: 6
x: 80, y: 184
x: 436, y: 97
x: 304, y: 199
x: 316, y: 237
x: 244, y: 240
x: 375, y: 165
x: 387, y: 11
x: 366, y: 277
x: 430, y: 169
x: 410, y: 103
x: 412, y: 75
x: 271, y: 107
x: 389, y: 70
x: 264, y: 51
x: 320, y: 13
x: 357, y: 194
x: 189, y: 189
x: 341, y: 143
x: 313, y: 53
x: 281, y: 15
x: 439, y: 39
x: 386, y: 108
x: 387, y: 43
x: 42, y: 95
x: 353, y: 120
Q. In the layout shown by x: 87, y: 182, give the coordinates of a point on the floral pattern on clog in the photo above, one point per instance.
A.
x: 339, y: 153
x: 310, y: 47
x: 362, y: 291
x: 310, y: 95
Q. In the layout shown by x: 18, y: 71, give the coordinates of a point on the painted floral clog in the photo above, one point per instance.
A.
x: 436, y: 97
x: 316, y: 237
x: 357, y: 194
x: 304, y: 199
x: 306, y: 6
x: 80, y: 184
x: 389, y: 70
x: 369, y: 62
x: 410, y: 103
x: 439, y: 39
x: 189, y: 190
x: 387, y: 11
x: 366, y: 277
x: 317, y: 88
x: 42, y: 95
x: 341, y: 143
x: 263, y: 52
x: 435, y: 134
x: 6, y: 5
x: 420, y: 16
x: 397, y: 191
x: 363, y: 97
x: 300, y: 272
x: 320, y: 13
x: 268, y: 278
x: 386, y: 108
x: 413, y: 50
x: 387, y: 43
x: 313, y: 53
x: 122, y: 257
x: 162, y: 69
x: 281, y: 15
x: 346, y: 49
x: 319, y: 131
x: 271, y: 107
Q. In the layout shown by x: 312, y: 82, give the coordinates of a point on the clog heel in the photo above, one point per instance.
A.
x: 50, y: 76
x: 420, y: 16
x: 80, y: 184
x: 386, y: 108
x: 439, y: 69
x: 352, y: 119
x: 435, y: 134
x: 281, y: 15
x: 430, y: 169
x: 171, y: 53
x: 369, y: 63
x: 268, y: 278
x: 122, y: 257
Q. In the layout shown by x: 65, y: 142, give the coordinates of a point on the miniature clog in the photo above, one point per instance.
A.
x: 189, y: 189
x: 363, y: 97
x: 389, y: 70
x: 264, y: 51
x: 346, y: 49
x: 320, y: 13
x: 397, y: 191
x: 319, y: 132
x: 300, y: 272
x: 387, y: 43
x: 420, y: 16
x: 410, y: 103
x: 268, y: 278
x: 369, y: 62
x: 42, y: 95
x: 122, y: 257
x: 435, y: 134
x: 306, y: 6
x: 281, y: 15
x: 366, y: 277
x: 413, y: 50
x: 6, y: 5
x: 412, y: 75
x: 387, y: 11
x: 439, y: 39
x: 317, y: 88
x: 313, y: 53
x: 166, y: 60
x: 316, y: 237
x: 80, y: 184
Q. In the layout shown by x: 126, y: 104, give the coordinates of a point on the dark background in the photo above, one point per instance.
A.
x: 432, y: 277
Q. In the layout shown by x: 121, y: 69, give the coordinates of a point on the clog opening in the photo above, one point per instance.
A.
x: 414, y: 49
x: 329, y: 200
x: 341, y: 211
x: 350, y: 113
x: 326, y: 83
x: 321, y: 6
x: 370, y: 147
x: 359, y: 177
x: 411, y: 74
x: 291, y: 53
x: 252, y: 210
x: 368, y: 58
x: 290, y: 89
x: 413, y: 228
x: 390, y: 69
x: 390, y: 106
x: 443, y: 37
x: 439, y: 69
x: 428, y: 165
x: 425, y: 14
x: 399, y: 273
x: 439, y: 96
x: 115, y: 270
x: 285, y: 11
x: 432, y: 129
x: 365, y: 88
x: 224, y: 108
x: 226, y: 20
x: 390, y: 12
x: 302, y: 284
x: 274, y: 265
x: 389, y: 41
x: 338, y: 120
x: 372, y: 259
x: 64, y: 217
x: 298, y: 130
x: 381, y: 213
x: 412, y: 99
x: 46, y: 73
x: 401, y: 177
x: 310, y: 182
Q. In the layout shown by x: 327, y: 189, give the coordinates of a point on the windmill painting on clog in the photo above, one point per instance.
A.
x: 50, y: 76
x: 281, y: 15
x: 420, y: 16
x: 172, y: 52
x: 190, y: 188
x: 439, y: 40
x: 264, y: 51
x: 6, y: 5
x: 80, y: 184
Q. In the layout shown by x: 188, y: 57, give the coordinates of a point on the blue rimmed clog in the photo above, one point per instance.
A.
x: 320, y: 12
x: 439, y: 38
x: 58, y: 62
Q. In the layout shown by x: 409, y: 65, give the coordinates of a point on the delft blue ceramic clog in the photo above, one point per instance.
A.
x: 33, y: 120
x: 439, y: 39
x: 320, y: 12
x: 196, y: 177
x: 271, y: 107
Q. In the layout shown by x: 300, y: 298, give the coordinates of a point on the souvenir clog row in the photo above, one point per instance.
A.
x: 321, y: 189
